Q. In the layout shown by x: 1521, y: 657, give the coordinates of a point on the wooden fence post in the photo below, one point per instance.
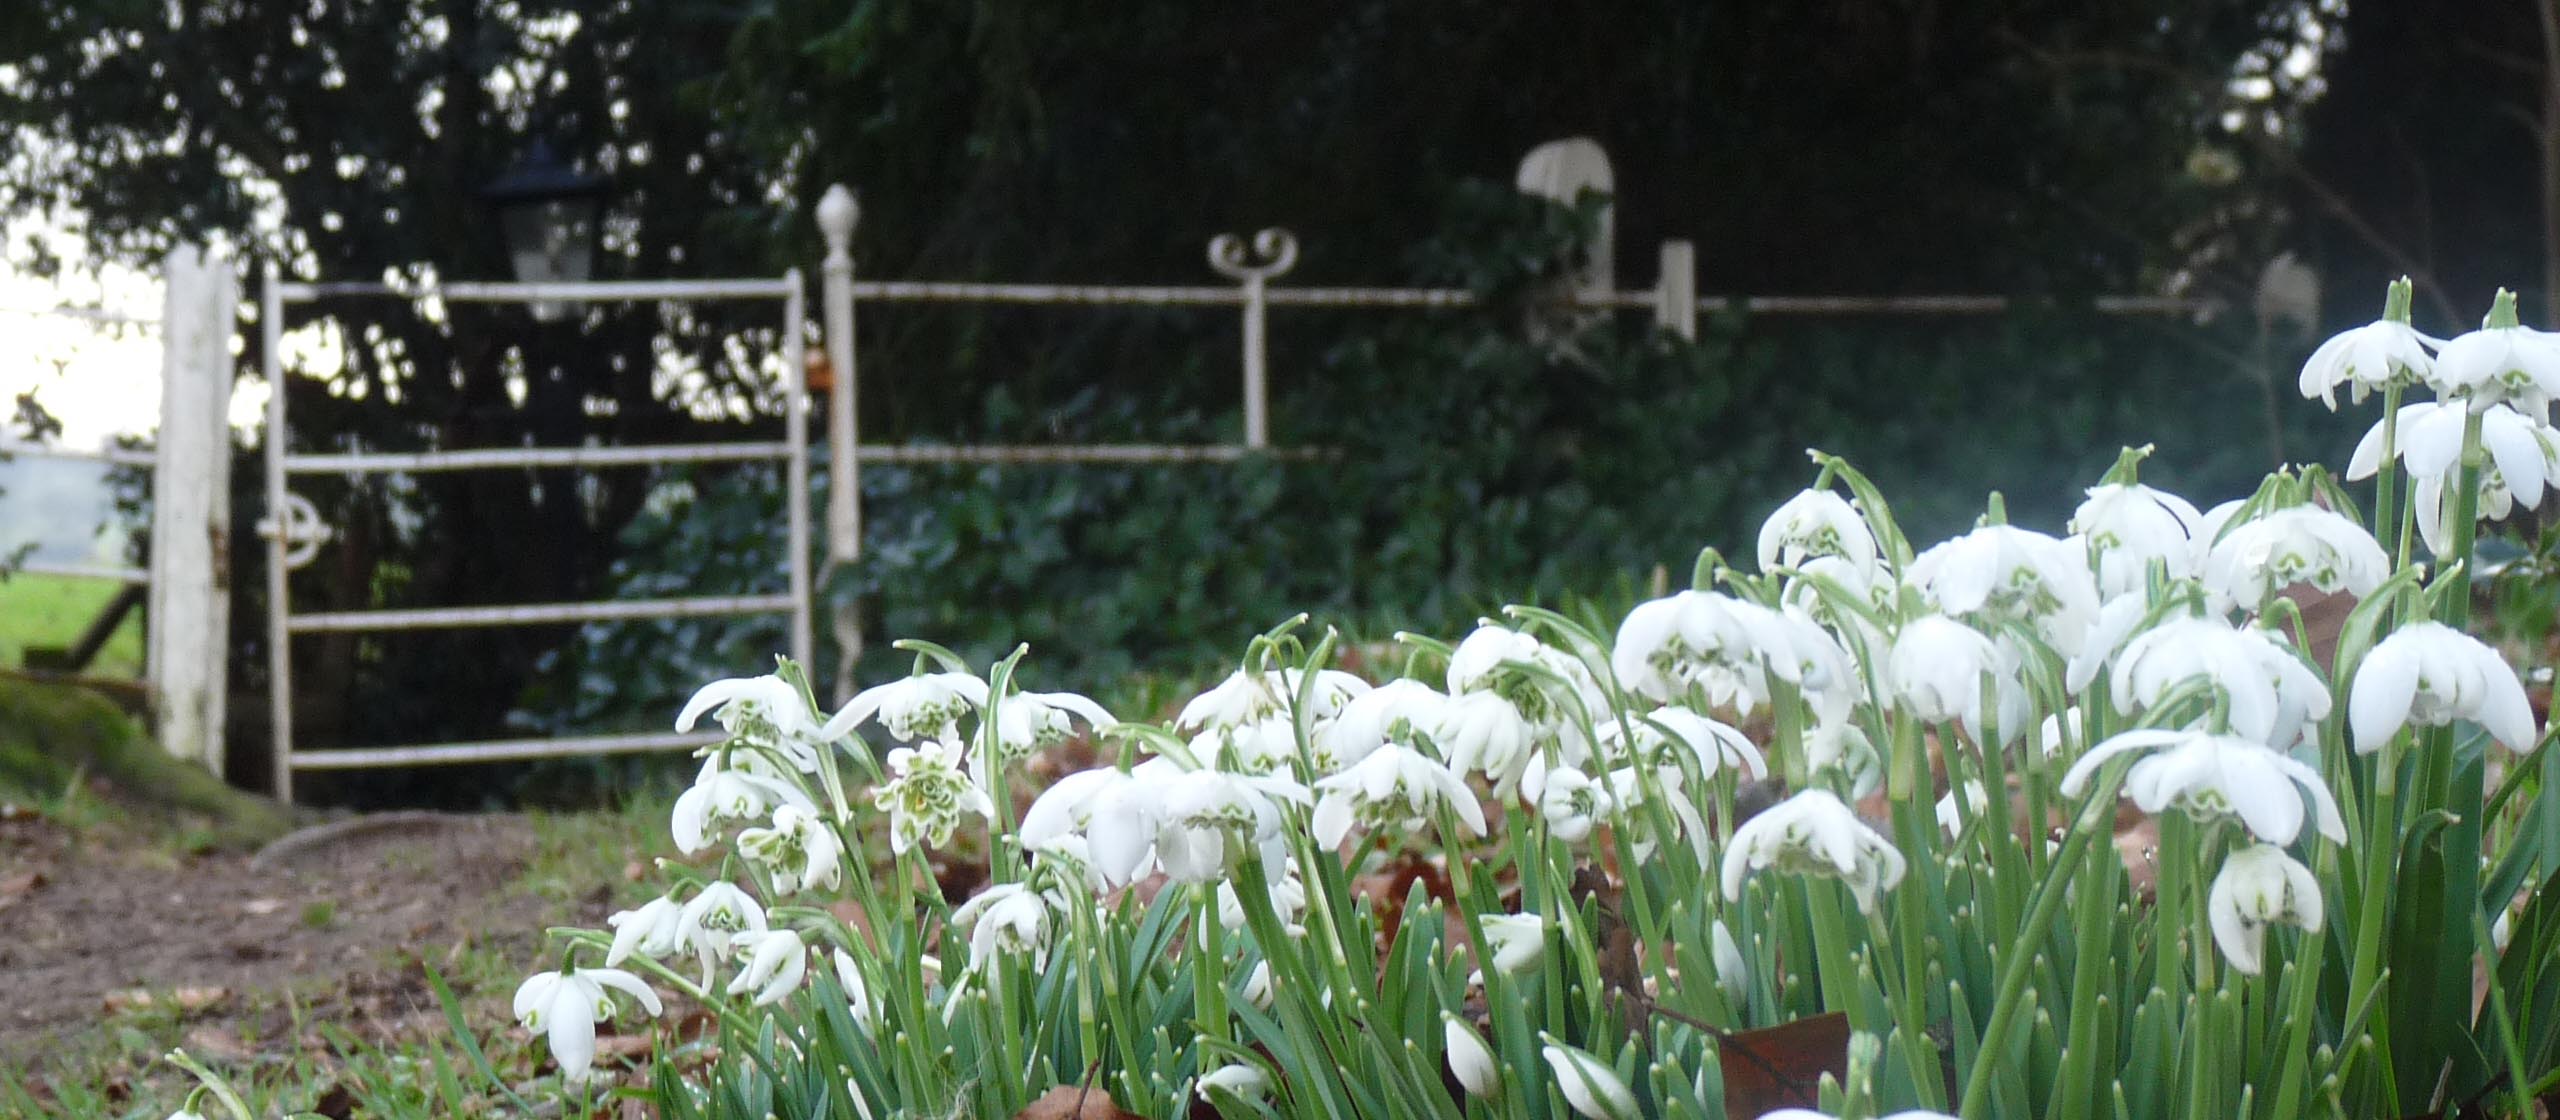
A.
x: 190, y: 607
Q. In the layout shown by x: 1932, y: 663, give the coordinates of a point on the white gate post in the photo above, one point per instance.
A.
x: 190, y: 604
x: 1675, y: 293
x: 837, y: 213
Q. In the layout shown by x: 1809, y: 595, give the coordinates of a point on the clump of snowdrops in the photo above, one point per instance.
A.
x: 2176, y: 812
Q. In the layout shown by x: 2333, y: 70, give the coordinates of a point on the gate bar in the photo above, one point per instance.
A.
x: 587, y: 291
x: 538, y: 614
x: 392, y: 462
x: 500, y: 750
x: 279, y: 605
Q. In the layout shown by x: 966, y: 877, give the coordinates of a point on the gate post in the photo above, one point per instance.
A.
x: 189, y: 617
x: 1675, y: 293
x: 837, y: 213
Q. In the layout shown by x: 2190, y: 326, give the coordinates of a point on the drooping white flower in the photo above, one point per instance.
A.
x: 777, y: 960
x: 1398, y: 711
x: 1030, y: 722
x: 1813, y: 833
x: 653, y: 931
x: 924, y: 706
x: 1841, y: 745
x: 1006, y: 918
x: 1589, y: 1085
x: 1518, y: 941
x: 1481, y: 732
x: 1244, y: 1082
x: 1552, y: 688
x: 2129, y: 527
x: 2520, y: 448
x: 729, y: 787
x: 927, y: 794
x: 2212, y: 777
x: 707, y: 922
x: 759, y: 712
x: 857, y: 992
x: 1394, y: 787
x: 2431, y: 674
x: 2001, y: 573
x: 1245, y: 697
x: 1650, y: 739
x: 2298, y: 544
x: 1205, y: 817
x: 1977, y: 801
x: 2259, y: 886
x: 1573, y: 804
x: 1812, y: 524
x: 1113, y: 811
x: 2496, y: 364
x: 565, y: 1007
x: 1258, y: 746
x: 2271, y: 695
x: 1288, y: 895
x: 799, y: 851
x: 1937, y: 669
x: 1726, y: 647
x: 1470, y: 1060
x: 2367, y: 359
x: 1257, y: 986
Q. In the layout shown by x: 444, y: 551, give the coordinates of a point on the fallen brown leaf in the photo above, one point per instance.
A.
x: 1074, y: 1102
x: 188, y: 1001
x: 1782, y: 1066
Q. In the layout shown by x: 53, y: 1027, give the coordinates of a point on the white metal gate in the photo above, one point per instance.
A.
x: 294, y: 532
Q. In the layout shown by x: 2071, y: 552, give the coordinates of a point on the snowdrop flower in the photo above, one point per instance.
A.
x: 2212, y: 777
x: 1722, y: 645
x: 1977, y: 801
x: 1518, y: 941
x: 2430, y: 674
x: 766, y: 712
x: 2002, y: 572
x: 799, y: 850
x: 1470, y: 1060
x: 928, y: 794
x: 1241, y: 1081
x: 186, y: 1114
x: 1812, y: 524
x: 1936, y: 671
x: 2116, y: 622
x: 729, y: 789
x: 2299, y: 544
x: 2272, y: 696
x: 1257, y: 986
x: 1245, y: 697
x: 1714, y: 745
x: 1551, y: 688
x: 1841, y: 745
x: 566, y: 1005
x: 2260, y: 885
x: 1573, y: 804
x: 1030, y: 722
x: 1592, y: 1088
x: 2520, y: 447
x: 924, y: 706
x: 857, y: 992
x: 653, y: 931
x: 1254, y: 747
x: 777, y: 959
x: 1733, y: 974
x: 1007, y: 918
x: 1397, y: 711
x: 1483, y: 732
x: 1202, y: 814
x: 2128, y: 527
x: 1114, y: 811
x: 1813, y: 833
x: 1809, y: 1114
x: 2496, y: 364
x: 1288, y: 901
x: 2365, y: 359
x: 708, y: 922
x: 1395, y: 787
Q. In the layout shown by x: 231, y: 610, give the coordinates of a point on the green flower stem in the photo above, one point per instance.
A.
x: 2373, y: 910
x: 1911, y: 1025
x: 212, y: 1083
x: 1838, y: 975
x: 2386, y: 480
x: 2466, y: 525
x: 1209, y: 967
x: 2296, y: 1033
x: 2021, y: 957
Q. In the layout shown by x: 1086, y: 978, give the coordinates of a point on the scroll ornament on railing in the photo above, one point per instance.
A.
x: 1276, y: 248
x: 303, y: 531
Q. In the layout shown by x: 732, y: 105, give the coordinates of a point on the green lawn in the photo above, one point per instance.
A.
x: 51, y: 611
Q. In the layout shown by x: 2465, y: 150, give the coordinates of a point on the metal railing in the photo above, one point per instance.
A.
x: 294, y: 533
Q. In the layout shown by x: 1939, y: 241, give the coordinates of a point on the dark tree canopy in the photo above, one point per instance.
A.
x: 2021, y: 146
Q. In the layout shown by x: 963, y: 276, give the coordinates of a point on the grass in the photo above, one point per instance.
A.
x: 45, y: 611
x: 116, y: 1069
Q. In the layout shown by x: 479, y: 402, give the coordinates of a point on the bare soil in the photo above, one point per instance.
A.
x: 252, y: 956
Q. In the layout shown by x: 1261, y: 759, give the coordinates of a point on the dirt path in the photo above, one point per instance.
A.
x: 255, y: 956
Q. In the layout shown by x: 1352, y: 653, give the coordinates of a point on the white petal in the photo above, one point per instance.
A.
x: 2385, y: 685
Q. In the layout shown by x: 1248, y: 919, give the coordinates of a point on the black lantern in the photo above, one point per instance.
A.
x: 549, y: 213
